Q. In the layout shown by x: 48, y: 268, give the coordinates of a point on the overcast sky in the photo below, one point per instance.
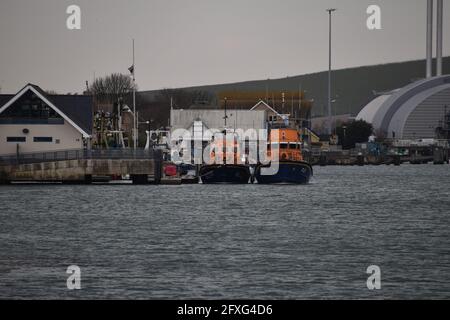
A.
x: 184, y: 43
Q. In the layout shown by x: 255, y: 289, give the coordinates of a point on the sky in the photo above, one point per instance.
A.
x: 183, y: 43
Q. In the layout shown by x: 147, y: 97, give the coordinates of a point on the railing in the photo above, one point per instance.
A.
x: 77, y: 154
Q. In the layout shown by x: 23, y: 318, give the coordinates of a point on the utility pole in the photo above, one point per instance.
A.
x: 135, y: 138
x: 330, y: 11
x: 226, y: 116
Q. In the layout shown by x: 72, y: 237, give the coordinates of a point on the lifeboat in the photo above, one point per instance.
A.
x: 234, y: 172
x: 292, y: 169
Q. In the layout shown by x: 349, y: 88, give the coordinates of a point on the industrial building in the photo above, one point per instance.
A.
x: 417, y: 111
x: 202, y: 120
x: 420, y: 110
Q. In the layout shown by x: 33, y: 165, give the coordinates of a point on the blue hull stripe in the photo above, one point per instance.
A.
x: 290, y: 172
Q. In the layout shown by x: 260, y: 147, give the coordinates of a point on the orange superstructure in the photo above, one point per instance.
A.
x: 288, y: 142
x: 227, y: 149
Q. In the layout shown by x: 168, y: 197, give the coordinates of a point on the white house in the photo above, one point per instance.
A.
x: 33, y: 121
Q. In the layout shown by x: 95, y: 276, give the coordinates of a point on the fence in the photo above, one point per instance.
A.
x: 77, y: 154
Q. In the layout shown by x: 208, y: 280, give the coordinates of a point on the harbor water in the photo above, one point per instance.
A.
x: 232, y: 241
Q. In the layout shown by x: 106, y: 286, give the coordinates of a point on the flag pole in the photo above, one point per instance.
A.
x: 134, y: 104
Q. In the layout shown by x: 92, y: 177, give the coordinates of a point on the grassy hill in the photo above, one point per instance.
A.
x: 353, y: 88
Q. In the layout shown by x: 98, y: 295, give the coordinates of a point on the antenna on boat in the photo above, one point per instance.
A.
x: 226, y: 116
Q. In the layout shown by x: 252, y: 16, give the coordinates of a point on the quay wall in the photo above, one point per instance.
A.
x: 77, y: 170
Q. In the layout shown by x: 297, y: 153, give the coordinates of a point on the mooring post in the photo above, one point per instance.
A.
x: 323, y: 160
x: 360, y: 160
x: 158, y: 163
x: 4, y: 177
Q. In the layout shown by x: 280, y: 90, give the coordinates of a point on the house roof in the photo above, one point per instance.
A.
x: 76, y: 109
x: 4, y: 98
x: 261, y: 102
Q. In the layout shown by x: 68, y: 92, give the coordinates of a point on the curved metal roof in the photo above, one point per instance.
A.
x: 399, y: 119
x: 406, y: 94
x: 370, y: 111
x: 390, y: 112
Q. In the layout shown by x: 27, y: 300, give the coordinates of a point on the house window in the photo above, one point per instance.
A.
x: 30, y: 109
x: 15, y: 139
x: 43, y: 139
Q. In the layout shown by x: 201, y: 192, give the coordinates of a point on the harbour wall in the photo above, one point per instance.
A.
x: 82, y: 170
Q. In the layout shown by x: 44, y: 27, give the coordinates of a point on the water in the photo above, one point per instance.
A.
x: 253, y: 241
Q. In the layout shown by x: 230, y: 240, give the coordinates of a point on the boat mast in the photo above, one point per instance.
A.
x: 225, y: 117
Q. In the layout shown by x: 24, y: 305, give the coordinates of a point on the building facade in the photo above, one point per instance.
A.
x: 33, y: 121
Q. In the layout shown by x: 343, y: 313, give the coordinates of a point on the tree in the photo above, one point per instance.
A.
x: 354, y: 132
x: 108, y: 89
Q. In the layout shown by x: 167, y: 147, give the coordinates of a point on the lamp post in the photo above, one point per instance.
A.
x: 334, y: 114
x: 330, y: 11
x: 135, y: 120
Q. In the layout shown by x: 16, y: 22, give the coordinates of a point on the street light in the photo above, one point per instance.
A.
x: 334, y: 114
x: 330, y: 11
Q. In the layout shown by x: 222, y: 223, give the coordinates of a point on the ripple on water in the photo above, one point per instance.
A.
x: 252, y: 241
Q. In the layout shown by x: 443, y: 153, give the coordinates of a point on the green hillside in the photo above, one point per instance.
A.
x: 352, y: 88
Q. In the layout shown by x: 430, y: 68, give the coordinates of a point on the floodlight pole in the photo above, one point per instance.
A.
x: 330, y: 11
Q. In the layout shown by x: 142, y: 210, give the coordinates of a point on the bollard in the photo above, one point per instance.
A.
x: 360, y: 160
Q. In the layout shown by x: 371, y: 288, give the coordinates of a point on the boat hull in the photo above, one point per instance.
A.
x: 225, y: 174
x: 289, y: 172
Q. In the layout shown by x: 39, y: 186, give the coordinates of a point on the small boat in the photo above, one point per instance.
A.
x: 225, y: 173
x: 292, y: 169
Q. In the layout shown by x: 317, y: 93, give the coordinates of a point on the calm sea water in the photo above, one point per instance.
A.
x: 253, y: 241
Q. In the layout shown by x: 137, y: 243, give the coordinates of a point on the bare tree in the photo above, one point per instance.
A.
x: 110, y: 88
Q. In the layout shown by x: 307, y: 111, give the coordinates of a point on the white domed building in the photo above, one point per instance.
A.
x: 417, y: 111
x: 421, y: 109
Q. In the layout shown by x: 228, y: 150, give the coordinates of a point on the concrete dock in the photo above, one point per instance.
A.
x: 81, y: 167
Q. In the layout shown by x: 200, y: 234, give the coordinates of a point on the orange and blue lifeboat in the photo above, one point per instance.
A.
x: 292, y: 169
